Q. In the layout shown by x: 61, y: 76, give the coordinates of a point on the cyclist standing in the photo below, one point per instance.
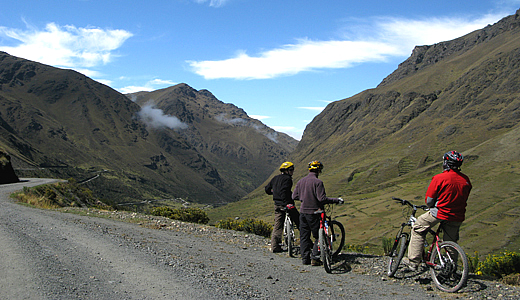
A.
x: 446, y: 196
x: 311, y: 192
x: 280, y: 187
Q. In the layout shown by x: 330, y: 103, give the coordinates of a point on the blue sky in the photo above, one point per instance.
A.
x: 281, y: 61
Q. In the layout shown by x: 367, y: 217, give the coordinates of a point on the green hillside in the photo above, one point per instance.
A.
x: 388, y: 141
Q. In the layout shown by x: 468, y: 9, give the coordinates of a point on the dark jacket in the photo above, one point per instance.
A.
x: 311, y: 192
x: 280, y: 187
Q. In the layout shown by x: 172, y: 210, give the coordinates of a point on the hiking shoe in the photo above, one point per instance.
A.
x: 410, y: 264
x: 316, y: 262
x: 276, y: 250
x: 306, y: 262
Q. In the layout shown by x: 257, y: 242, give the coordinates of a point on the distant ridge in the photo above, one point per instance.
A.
x: 60, y: 123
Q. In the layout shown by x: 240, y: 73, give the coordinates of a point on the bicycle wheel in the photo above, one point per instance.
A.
x: 397, y: 254
x: 326, y: 255
x: 290, y: 237
x: 337, y: 233
x: 285, y: 239
x: 450, y: 267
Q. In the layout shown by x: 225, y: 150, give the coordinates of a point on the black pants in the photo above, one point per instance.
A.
x: 309, y: 224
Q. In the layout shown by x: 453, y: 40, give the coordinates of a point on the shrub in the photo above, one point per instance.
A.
x: 388, y: 243
x: 253, y: 226
x: 60, y: 194
x: 355, y: 248
x: 499, y: 266
x: 192, y: 215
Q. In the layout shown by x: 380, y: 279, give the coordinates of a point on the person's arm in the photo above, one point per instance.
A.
x: 295, y: 193
x: 269, y: 188
x: 322, y: 196
x: 431, y: 194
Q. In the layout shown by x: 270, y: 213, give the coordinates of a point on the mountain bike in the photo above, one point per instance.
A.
x: 447, y: 261
x: 289, y: 239
x: 331, y: 238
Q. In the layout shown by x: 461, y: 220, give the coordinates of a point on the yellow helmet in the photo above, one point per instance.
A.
x: 286, y: 165
x: 315, y: 165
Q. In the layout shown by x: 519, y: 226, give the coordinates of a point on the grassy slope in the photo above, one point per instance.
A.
x: 367, y: 161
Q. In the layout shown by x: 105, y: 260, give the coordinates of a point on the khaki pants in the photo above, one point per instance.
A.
x: 420, y: 229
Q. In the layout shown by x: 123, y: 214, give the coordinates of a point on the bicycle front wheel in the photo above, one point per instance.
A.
x: 337, y: 234
x: 449, y: 267
x: 326, y: 255
x: 397, y: 254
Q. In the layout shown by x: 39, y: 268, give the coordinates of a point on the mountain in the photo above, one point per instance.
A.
x: 462, y: 95
x: 60, y: 123
x: 242, y: 149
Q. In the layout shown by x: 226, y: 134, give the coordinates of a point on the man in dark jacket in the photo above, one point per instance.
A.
x: 280, y: 187
x: 446, y: 196
x: 311, y: 192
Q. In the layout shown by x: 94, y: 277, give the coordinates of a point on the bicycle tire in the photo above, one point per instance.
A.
x: 285, y: 239
x: 453, y: 275
x: 290, y: 238
x: 337, y: 232
x: 397, y: 254
x: 326, y: 257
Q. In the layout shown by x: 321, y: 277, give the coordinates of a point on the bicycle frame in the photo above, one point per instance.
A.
x: 446, y: 260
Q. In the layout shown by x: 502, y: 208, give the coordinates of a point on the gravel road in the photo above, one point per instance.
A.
x: 47, y: 254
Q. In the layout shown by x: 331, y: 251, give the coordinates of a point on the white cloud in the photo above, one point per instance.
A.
x: 151, y: 85
x: 313, y: 108
x: 306, y: 55
x: 294, y: 132
x: 155, y: 117
x: 259, y: 117
x: 384, y: 38
x: 65, y: 46
x: 213, y: 3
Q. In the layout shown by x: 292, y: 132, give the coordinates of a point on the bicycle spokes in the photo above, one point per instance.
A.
x: 449, y: 267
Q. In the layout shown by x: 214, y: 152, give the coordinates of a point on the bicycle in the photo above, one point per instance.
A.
x: 289, y: 239
x: 331, y: 238
x: 447, y: 261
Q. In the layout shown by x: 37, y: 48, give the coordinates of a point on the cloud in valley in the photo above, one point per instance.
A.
x: 155, y: 118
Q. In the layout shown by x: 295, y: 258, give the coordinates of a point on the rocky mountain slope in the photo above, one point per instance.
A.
x: 241, y: 148
x: 388, y: 141
x: 60, y: 123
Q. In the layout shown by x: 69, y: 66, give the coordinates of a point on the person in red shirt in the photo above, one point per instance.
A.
x: 446, y: 196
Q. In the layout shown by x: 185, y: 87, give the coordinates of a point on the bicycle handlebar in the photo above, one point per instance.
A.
x: 406, y: 202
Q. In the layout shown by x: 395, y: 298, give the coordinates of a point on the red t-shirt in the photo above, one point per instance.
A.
x: 451, y: 191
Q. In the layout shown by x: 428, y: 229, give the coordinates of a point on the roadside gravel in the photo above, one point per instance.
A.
x: 91, y: 254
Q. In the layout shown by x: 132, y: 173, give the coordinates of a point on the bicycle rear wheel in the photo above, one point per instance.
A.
x: 397, y: 254
x: 337, y: 233
x: 450, y: 267
x: 290, y: 238
x: 326, y: 255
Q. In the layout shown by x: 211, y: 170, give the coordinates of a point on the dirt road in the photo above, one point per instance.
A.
x: 47, y: 254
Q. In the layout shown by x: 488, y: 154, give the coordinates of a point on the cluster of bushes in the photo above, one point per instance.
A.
x: 192, y: 215
x: 499, y: 266
x: 61, y: 194
x: 254, y: 226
